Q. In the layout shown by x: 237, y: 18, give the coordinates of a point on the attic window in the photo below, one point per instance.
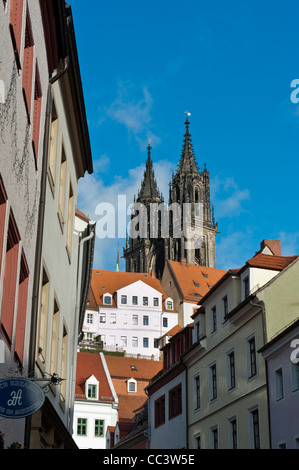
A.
x: 196, y: 284
x: 133, y: 368
x: 92, y: 391
x: 132, y: 386
x: 204, y: 275
x: 107, y: 300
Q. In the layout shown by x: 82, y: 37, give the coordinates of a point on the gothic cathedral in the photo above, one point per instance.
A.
x: 182, y: 230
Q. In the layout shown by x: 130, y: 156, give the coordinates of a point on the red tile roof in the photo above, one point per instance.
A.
x: 120, y: 371
x: 173, y: 331
x: 121, y: 367
x: 195, y: 281
x: 103, y: 282
x: 277, y: 263
x: 81, y: 215
x: 90, y: 364
x: 127, y: 405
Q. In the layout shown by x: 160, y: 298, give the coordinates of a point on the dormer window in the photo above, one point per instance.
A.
x: 92, y: 391
x: 132, y: 386
x: 108, y: 299
x: 169, y: 304
x: 92, y: 388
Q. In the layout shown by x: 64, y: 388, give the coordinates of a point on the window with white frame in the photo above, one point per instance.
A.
x: 145, y: 301
x: 132, y: 386
x: 112, y: 340
x: 156, y: 302
x: 92, y: 388
x: 107, y: 299
x: 135, y: 342
x: 145, y: 342
x: 135, y: 300
x: 165, y: 322
x: 113, y: 318
x: 92, y: 391
x: 135, y: 319
x: 89, y: 336
x: 123, y: 300
x: 89, y: 318
x: 102, y: 317
x: 145, y: 320
x: 123, y: 341
x: 169, y: 304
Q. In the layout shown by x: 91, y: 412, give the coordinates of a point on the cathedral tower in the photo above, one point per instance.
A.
x: 191, y: 228
x: 143, y: 253
x: 190, y: 190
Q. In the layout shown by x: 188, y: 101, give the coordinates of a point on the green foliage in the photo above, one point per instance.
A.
x: 106, y: 353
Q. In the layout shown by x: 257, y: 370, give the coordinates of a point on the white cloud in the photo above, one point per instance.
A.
x: 101, y: 164
x: 289, y: 243
x: 227, y: 197
x: 133, y: 109
x: 94, y: 191
x: 233, y: 250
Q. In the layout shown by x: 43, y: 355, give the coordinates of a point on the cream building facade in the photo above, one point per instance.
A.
x: 227, y: 386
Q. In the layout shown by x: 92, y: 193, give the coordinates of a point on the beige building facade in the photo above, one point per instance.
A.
x: 227, y: 386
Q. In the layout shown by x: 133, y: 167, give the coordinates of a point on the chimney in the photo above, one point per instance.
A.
x: 272, y: 245
x: 183, y: 262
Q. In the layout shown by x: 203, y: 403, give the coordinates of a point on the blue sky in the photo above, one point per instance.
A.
x: 231, y: 65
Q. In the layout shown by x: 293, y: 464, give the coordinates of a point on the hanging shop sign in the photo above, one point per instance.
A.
x: 20, y: 398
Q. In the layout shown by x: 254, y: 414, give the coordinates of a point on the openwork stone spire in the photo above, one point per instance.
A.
x: 187, y: 163
x: 149, y: 191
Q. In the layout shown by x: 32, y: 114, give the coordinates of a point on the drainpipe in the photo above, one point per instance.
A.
x: 77, y: 314
x: 147, y: 433
x: 82, y: 242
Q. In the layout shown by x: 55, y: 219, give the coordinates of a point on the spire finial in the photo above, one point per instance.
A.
x: 117, y: 261
x: 187, y: 121
x: 149, y: 148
